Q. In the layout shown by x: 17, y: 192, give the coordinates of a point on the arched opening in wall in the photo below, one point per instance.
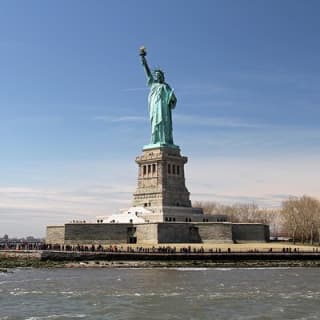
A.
x: 153, y: 168
x: 173, y: 219
x: 145, y: 204
x: 177, y: 204
x: 173, y: 169
x: 170, y: 219
x: 166, y: 219
x: 178, y: 170
x: 169, y: 168
x: 187, y: 219
x: 131, y: 221
x: 149, y: 168
x: 144, y: 170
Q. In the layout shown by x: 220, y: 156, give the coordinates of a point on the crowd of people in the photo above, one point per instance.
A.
x: 141, y: 249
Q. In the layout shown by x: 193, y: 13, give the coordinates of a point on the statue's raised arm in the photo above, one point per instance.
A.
x: 147, y: 70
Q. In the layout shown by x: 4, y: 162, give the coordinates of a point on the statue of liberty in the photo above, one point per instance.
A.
x: 161, y: 101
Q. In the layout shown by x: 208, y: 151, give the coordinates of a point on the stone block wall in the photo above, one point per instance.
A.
x: 97, y: 233
x: 161, y: 180
x: 55, y: 235
x: 147, y: 233
x: 215, y: 232
x: 153, y: 233
x: 178, y: 233
x: 254, y: 232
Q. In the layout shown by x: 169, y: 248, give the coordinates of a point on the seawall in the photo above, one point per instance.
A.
x: 50, y: 255
x: 135, y: 256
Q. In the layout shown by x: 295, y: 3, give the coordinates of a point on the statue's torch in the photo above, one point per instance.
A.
x: 143, y: 51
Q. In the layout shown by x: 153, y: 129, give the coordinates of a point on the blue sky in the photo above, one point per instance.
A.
x: 73, y: 102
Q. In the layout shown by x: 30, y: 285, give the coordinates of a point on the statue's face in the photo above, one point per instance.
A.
x: 159, y: 76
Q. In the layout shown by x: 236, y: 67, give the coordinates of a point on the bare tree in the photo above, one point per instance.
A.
x: 244, y: 212
x: 291, y: 217
x: 301, y: 218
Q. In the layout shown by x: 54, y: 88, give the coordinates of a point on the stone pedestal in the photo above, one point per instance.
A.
x: 161, y: 180
x: 161, y: 186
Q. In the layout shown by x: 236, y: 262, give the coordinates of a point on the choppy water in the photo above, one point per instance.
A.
x: 34, y: 294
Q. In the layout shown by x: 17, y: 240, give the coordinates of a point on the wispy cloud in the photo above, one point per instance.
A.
x: 266, y: 180
x: 191, y: 120
x: 255, y: 139
x: 263, y: 200
x: 88, y: 201
x: 26, y: 210
x: 216, y: 121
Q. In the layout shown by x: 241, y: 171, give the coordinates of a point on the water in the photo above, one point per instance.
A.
x: 35, y: 294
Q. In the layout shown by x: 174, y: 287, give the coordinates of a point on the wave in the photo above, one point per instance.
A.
x: 187, y: 269
x: 57, y: 316
x: 19, y: 292
x: 149, y: 294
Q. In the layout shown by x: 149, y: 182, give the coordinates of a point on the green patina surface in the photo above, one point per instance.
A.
x: 161, y: 101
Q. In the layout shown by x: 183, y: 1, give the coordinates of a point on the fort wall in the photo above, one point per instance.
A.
x: 55, y: 234
x: 147, y: 233
x: 153, y: 233
x: 249, y: 232
x: 178, y: 233
x: 97, y: 233
x: 215, y: 232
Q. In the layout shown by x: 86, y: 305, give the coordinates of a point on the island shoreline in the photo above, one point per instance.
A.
x: 60, y: 259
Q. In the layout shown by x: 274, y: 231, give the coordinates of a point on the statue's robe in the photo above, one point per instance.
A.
x: 161, y: 100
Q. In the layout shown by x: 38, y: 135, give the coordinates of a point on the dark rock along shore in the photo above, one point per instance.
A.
x: 58, y: 259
